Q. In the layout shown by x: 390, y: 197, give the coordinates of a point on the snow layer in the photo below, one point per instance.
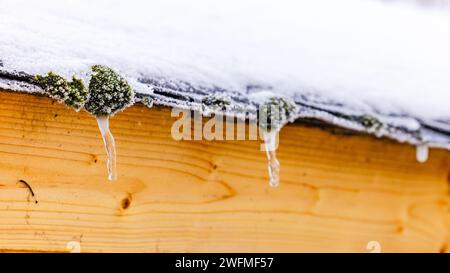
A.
x: 369, y: 55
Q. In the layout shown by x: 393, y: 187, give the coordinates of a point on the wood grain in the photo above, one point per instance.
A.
x: 338, y: 191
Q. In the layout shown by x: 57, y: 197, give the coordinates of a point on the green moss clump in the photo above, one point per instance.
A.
x: 216, y: 101
x: 275, y: 112
x: 73, y: 94
x: 370, y: 122
x: 108, y: 92
x: 147, y: 101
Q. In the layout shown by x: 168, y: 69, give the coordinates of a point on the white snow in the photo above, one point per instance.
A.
x: 365, y: 53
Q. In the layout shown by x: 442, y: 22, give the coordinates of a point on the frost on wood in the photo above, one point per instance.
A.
x: 108, y: 92
x: 72, y: 93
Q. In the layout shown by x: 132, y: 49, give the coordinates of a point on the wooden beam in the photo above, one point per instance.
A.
x: 338, y: 191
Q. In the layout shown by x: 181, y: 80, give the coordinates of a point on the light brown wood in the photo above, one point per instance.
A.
x: 338, y: 191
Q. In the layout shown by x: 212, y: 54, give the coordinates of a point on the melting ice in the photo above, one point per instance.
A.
x: 422, y: 153
x: 110, y: 146
x: 270, y: 139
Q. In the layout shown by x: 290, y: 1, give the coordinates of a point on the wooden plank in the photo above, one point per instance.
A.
x: 337, y: 193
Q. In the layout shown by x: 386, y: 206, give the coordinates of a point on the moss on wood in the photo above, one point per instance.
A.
x: 108, y: 92
x: 275, y: 112
x: 72, y: 93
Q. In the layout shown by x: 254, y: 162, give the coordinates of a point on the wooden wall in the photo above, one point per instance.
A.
x: 338, y: 191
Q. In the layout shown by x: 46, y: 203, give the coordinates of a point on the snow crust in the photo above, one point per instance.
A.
x: 372, y: 56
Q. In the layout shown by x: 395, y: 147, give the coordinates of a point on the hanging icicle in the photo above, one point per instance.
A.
x: 108, y: 94
x: 110, y: 146
x: 422, y: 152
x: 273, y: 114
x: 273, y: 163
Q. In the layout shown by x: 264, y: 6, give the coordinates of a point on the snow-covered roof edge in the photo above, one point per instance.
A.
x: 175, y: 93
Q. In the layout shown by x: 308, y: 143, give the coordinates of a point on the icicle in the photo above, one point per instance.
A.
x: 273, y: 114
x: 273, y: 163
x: 109, y: 93
x: 110, y: 146
x: 422, y: 152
